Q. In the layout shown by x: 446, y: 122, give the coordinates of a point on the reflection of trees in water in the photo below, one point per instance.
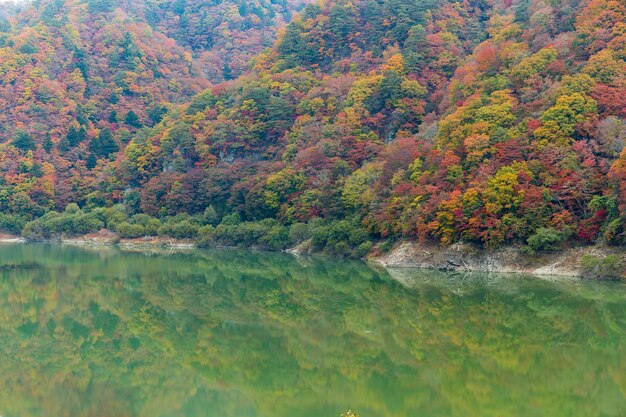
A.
x: 155, y: 334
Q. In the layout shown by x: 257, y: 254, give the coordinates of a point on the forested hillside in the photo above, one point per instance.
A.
x: 79, y: 78
x: 223, y: 35
x: 487, y: 121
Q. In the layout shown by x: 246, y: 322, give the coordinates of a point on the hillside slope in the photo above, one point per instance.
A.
x: 79, y: 78
x: 478, y: 120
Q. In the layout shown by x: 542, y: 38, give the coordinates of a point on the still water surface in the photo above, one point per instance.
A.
x: 102, y: 332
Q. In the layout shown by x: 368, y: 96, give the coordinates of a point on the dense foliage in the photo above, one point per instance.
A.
x: 479, y: 120
x: 223, y: 35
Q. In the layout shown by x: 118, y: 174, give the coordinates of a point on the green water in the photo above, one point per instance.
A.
x: 239, y: 334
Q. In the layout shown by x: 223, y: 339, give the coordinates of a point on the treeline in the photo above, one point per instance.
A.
x: 346, y: 238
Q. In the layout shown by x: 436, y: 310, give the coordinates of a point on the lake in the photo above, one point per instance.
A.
x: 101, y: 332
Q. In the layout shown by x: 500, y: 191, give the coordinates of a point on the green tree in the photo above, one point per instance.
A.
x: 75, y: 136
x: 132, y: 119
x: 100, y: 6
x: 24, y: 141
x: 546, y: 239
x: 414, y: 48
x: 103, y: 145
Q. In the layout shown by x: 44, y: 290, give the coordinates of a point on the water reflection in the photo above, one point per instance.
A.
x: 223, y: 333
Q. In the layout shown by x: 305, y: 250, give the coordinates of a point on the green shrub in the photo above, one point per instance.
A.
x: 609, y: 267
x: 266, y: 234
x: 386, y: 246
x: 179, y: 230
x: 130, y: 231
x: 242, y: 234
x: 34, y: 230
x: 527, y: 252
x: 206, y: 236
x: 299, y: 232
x: 11, y: 223
x: 150, y: 224
x: 110, y: 216
x: 152, y: 227
x: 53, y: 225
x: 547, y: 240
x: 231, y: 219
x: 82, y: 223
x: 141, y: 219
x: 72, y: 208
x: 208, y: 231
x: 341, y: 238
x: 210, y: 216
x: 363, y: 249
x: 276, y: 238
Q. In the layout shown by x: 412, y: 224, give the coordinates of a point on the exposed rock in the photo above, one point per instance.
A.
x: 510, y: 259
x: 304, y: 248
x: 106, y: 237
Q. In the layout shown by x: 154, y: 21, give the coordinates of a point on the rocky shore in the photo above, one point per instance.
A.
x: 107, y: 238
x: 509, y: 259
x: 460, y: 257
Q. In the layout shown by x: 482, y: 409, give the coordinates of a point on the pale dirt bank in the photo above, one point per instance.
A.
x: 458, y: 257
x: 105, y: 237
x: 509, y: 259
x: 6, y: 238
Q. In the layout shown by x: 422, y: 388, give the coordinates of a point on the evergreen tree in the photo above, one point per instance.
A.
x: 75, y: 136
x: 132, y: 119
x: 103, y: 145
x: 64, y: 144
x: 91, y: 161
x: 36, y: 171
x: 295, y: 47
x: 342, y: 24
x: 24, y: 141
x: 227, y: 72
x: 130, y: 51
x: 100, y: 6
x: 156, y: 114
x: 82, y: 117
x: 414, y: 46
x: 47, y: 143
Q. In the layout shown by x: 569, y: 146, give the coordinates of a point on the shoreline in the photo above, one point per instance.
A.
x: 111, y: 240
x: 510, y: 259
x: 406, y: 255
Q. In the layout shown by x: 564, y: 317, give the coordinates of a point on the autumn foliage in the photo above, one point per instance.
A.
x: 478, y: 120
